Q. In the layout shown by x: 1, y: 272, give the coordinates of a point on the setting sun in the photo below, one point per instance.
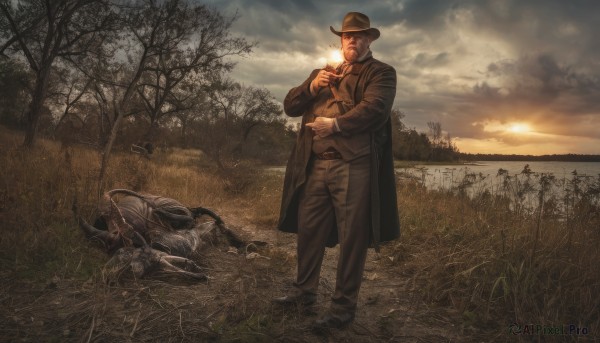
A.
x: 519, y: 128
x: 495, y: 126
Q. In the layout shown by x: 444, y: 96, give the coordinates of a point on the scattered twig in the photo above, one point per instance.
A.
x: 92, y: 327
x: 180, y: 326
x: 137, y: 318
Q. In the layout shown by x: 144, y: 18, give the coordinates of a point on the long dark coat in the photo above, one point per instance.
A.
x: 373, y: 94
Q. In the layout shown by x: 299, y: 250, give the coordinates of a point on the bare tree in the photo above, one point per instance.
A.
x: 435, y: 132
x: 73, y: 87
x: 42, y: 31
x: 234, y: 111
x: 191, y: 102
x: 162, y: 41
x: 223, y: 95
x: 15, y: 83
x: 246, y: 106
x: 256, y: 106
x: 169, y: 67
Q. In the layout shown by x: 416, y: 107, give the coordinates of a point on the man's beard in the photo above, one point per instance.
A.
x: 351, y: 55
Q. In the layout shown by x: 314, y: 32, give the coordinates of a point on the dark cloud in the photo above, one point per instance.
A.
x: 427, y: 14
x: 541, y: 81
x: 464, y: 63
x: 424, y: 60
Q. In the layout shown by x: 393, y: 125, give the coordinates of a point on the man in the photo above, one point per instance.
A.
x: 339, y: 184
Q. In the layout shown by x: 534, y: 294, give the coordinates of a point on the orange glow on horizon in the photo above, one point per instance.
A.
x: 507, y: 128
x: 531, y: 143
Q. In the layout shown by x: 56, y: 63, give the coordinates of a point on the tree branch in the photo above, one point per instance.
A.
x: 18, y: 37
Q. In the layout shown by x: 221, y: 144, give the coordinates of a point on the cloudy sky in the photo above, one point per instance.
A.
x: 501, y: 76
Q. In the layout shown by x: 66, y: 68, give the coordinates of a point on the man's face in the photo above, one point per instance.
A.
x: 354, y: 45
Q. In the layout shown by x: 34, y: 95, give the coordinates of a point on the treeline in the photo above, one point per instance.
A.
x: 408, y: 144
x: 112, y: 73
x: 544, y: 158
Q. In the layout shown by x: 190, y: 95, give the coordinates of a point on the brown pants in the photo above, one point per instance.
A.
x: 336, y: 193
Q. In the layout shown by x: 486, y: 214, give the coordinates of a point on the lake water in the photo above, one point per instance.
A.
x: 490, y: 168
x: 447, y: 176
x: 559, y: 169
x: 569, y: 181
x: 565, y: 182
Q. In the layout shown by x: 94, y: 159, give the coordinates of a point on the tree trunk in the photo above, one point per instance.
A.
x: 36, y: 105
x: 116, y: 125
x: 108, y: 148
x: 184, y: 143
x: 150, y: 135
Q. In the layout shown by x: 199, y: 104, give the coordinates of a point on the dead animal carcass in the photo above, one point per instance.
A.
x: 150, y: 234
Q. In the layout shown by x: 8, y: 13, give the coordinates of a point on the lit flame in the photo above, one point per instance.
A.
x: 335, y: 58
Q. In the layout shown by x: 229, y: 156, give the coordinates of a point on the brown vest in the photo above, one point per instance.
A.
x: 325, y: 105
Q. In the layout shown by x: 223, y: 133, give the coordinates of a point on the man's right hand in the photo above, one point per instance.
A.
x: 323, y: 79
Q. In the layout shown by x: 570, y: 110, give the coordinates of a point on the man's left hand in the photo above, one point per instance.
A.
x: 323, y: 126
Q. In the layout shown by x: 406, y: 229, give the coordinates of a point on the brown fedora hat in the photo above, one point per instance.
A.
x: 357, y: 22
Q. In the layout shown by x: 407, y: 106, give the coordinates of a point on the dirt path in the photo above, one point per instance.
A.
x: 388, y: 310
x: 233, y: 306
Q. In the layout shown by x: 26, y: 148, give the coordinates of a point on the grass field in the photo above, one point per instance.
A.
x: 478, y: 259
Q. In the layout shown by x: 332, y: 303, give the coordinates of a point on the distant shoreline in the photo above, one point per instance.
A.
x: 474, y: 161
x: 529, y: 158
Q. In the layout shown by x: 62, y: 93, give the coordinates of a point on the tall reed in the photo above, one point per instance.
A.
x: 502, y: 258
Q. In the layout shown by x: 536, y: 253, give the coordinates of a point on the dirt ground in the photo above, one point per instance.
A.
x: 388, y: 310
x: 233, y: 306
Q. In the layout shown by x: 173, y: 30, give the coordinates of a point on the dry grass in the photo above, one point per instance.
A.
x: 53, y: 287
x: 476, y: 258
x: 479, y: 257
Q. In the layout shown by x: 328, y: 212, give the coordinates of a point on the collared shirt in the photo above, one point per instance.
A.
x: 345, y: 65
